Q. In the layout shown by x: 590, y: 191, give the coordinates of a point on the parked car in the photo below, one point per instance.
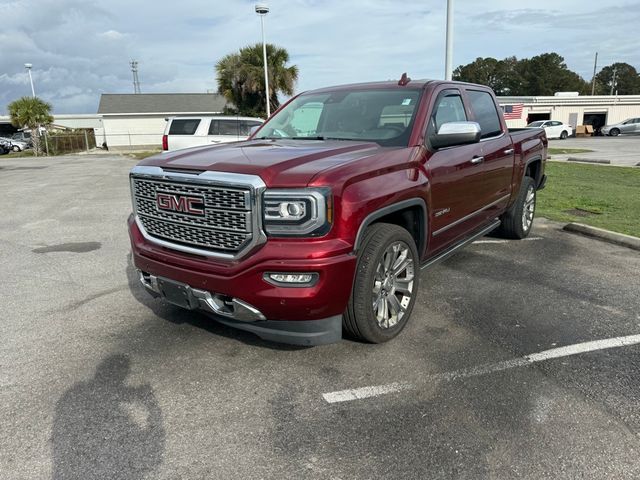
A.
x: 631, y: 125
x: 322, y: 221
x: 184, y: 132
x: 5, y: 146
x: 19, y: 145
x: 553, y: 128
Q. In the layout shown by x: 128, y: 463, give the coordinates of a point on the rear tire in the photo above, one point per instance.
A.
x: 385, y: 286
x: 614, y: 132
x: 518, y: 220
x: 564, y: 135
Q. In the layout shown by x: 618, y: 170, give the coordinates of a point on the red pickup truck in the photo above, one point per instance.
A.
x: 321, y: 221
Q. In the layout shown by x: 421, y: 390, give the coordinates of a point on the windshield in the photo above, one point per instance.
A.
x: 535, y: 124
x: 383, y: 116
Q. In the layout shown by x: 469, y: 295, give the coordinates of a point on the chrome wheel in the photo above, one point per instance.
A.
x: 529, y: 208
x: 393, y: 284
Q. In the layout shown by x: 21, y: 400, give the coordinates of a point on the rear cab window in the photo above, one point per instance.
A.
x: 184, y: 126
x: 485, y: 113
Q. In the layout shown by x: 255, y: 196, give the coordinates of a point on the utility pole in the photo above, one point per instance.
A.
x: 593, y: 79
x: 262, y: 9
x: 613, y: 80
x: 28, y: 66
x: 448, y: 60
x: 136, y: 80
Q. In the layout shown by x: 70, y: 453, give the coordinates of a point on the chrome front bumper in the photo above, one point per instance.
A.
x: 185, y: 296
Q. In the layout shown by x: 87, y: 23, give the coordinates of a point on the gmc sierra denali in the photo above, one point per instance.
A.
x: 321, y: 221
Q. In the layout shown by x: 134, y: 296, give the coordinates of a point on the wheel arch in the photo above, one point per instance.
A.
x: 410, y: 214
x: 533, y: 169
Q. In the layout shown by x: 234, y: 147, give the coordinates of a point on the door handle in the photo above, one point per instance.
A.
x: 215, y: 141
x: 509, y: 151
x: 477, y: 160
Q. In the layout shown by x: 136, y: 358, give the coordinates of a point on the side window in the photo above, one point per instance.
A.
x: 484, y: 110
x: 246, y: 126
x: 184, y: 127
x: 214, y: 127
x: 448, y: 108
x: 228, y: 127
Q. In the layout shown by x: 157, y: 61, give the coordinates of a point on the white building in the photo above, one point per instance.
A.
x: 136, y: 121
x: 574, y: 110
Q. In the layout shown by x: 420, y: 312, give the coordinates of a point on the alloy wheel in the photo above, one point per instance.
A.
x: 393, y: 284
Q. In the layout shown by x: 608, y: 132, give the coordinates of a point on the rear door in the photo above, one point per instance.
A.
x: 182, y: 133
x: 224, y: 130
x: 496, y: 151
x: 629, y: 126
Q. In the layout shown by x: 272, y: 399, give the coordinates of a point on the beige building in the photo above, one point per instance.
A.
x: 574, y: 110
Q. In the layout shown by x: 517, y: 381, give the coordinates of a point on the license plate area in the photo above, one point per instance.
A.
x: 177, y: 293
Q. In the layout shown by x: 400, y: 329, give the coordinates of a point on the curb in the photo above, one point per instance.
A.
x: 589, y: 160
x: 604, y: 235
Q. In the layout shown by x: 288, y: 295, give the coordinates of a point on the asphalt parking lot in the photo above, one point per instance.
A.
x: 99, y: 380
x: 621, y: 150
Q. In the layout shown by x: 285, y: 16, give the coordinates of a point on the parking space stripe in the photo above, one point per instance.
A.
x: 569, y: 350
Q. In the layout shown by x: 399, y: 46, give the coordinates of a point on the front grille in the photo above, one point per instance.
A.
x: 225, y: 225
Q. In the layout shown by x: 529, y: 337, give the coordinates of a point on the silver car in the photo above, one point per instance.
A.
x: 632, y: 125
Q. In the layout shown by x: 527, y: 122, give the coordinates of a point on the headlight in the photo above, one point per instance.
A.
x: 304, y: 211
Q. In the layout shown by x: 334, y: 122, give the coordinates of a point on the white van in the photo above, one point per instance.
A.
x: 184, y: 132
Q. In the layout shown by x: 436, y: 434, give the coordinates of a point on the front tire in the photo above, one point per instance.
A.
x: 564, y: 135
x: 15, y: 148
x: 614, y: 132
x: 518, y: 220
x: 385, y: 286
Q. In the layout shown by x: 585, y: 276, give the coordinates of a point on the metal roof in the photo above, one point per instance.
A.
x: 577, y: 100
x: 160, y: 103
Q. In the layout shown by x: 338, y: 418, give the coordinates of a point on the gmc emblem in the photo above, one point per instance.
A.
x: 180, y: 203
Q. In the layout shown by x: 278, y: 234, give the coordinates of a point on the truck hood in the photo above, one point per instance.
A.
x: 280, y: 163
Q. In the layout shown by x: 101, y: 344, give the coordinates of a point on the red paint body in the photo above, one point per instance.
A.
x: 363, y: 177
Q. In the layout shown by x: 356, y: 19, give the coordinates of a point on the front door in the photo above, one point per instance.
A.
x: 455, y: 175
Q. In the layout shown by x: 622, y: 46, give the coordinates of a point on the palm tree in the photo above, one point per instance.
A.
x: 31, y: 113
x: 240, y: 78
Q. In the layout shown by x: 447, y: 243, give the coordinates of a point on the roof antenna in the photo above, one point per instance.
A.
x: 404, y: 80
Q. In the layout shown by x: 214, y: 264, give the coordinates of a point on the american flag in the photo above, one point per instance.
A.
x: 512, y: 112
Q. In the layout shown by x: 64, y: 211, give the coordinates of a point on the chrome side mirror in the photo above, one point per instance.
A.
x: 456, y: 133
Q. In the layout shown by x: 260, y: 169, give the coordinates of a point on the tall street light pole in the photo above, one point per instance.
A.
x: 449, y: 46
x: 262, y: 9
x: 28, y: 67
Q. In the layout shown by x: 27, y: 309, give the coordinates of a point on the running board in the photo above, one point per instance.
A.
x: 447, y: 253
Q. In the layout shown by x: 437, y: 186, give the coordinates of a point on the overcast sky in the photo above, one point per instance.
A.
x: 81, y: 48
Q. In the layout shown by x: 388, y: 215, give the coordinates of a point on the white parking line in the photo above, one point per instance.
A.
x: 505, y: 241
x: 576, y: 349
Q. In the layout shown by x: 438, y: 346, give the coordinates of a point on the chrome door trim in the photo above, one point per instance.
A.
x: 467, y: 217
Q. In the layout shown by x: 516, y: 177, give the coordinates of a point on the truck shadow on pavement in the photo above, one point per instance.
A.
x: 104, y: 428
x: 177, y: 315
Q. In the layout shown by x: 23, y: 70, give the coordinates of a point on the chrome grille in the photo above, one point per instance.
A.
x: 224, y: 227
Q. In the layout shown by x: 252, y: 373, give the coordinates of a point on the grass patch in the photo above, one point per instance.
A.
x: 143, y: 155
x: 565, y: 151
x: 605, y: 197
x: 24, y: 153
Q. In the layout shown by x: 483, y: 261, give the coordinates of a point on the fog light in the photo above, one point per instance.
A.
x: 282, y: 279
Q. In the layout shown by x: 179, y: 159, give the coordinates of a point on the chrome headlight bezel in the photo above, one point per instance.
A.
x: 313, y: 204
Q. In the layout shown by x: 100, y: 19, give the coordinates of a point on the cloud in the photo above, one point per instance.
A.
x: 113, y: 35
x: 81, y: 48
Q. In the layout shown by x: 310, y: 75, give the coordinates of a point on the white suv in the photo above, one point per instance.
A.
x: 185, y: 132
